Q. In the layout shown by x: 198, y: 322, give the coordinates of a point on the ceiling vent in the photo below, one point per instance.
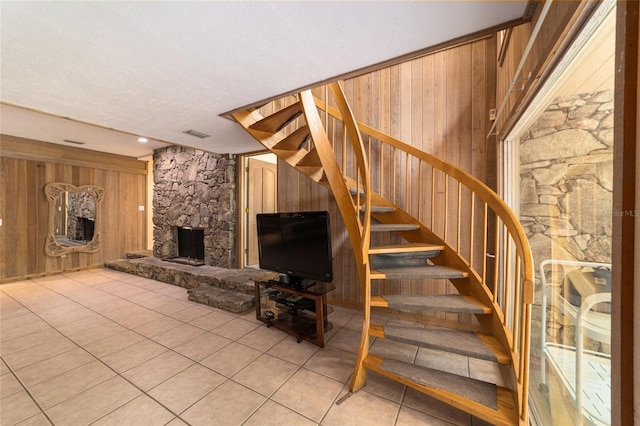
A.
x: 196, y: 134
x: 74, y: 142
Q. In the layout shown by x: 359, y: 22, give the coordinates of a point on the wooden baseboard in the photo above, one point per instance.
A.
x: 46, y: 274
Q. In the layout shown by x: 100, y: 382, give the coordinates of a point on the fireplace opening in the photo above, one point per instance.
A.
x: 190, y: 246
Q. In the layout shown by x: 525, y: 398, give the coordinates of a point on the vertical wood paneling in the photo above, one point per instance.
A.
x: 25, y: 216
x: 438, y: 103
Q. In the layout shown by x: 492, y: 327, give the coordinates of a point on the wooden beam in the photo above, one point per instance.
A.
x: 624, y: 282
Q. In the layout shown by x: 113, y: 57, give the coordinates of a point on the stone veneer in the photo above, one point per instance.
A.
x: 566, y: 180
x: 566, y: 171
x: 196, y: 189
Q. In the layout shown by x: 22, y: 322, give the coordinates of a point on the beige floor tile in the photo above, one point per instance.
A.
x: 133, y: 355
x: 21, y: 326
x: 180, y: 391
x: 8, y: 346
x: 96, y: 334
x: 341, y: 316
x: 263, y: 338
x: 159, y: 326
x: 137, y: 317
x: 231, y: 359
x: 3, y: 368
x: 177, y: 422
x: 16, y: 408
x: 384, y: 387
x: 38, y: 420
x: 9, y: 385
x: 156, y: 370
x: 266, y: 374
x: 202, y: 346
x: 49, y: 348
x: 433, y: 407
x: 236, y: 328
x: 345, y: 339
x: 170, y: 305
x: 192, y: 312
x: 334, y: 363
x: 273, y: 414
x: 309, y: 394
x: 92, y: 404
x: 56, y: 389
x: 178, y: 335
x: 111, y: 344
x: 214, y: 319
x: 362, y: 408
x: 88, y: 324
x: 9, y: 308
x: 289, y: 349
x: 65, y: 314
x: 410, y: 417
x: 140, y: 411
x: 54, y: 366
x: 229, y: 404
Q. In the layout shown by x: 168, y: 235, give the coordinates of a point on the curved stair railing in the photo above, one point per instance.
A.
x: 453, y: 228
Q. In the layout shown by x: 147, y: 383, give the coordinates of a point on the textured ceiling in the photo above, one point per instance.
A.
x: 159, y: 68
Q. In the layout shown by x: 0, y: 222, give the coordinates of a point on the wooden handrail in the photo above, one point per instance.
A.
x: 517, y: 266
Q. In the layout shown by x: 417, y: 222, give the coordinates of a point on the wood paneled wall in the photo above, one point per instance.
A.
x: 439, y: 103
x: 562, y: 21
x: 26, y: 166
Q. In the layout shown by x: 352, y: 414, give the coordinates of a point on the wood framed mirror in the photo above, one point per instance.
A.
x: 74, y: 218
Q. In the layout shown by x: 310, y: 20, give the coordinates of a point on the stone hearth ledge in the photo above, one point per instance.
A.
x: 228, y: 289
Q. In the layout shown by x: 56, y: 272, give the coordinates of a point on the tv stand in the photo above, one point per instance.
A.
x: 297, y: 310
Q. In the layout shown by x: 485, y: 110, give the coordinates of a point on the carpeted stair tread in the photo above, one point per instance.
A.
x: 393, y: 227
x: 471, y: 389
x: 382, y: 209
x: 417, y: 272
x: 446, y: 303
x: 454, y: 341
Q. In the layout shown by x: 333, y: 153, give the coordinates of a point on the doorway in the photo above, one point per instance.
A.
x: 259, y: 195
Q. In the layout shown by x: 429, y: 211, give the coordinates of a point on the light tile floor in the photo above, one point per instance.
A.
x: 102, y: 347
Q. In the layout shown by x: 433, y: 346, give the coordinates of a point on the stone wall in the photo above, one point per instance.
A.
x: 566, y: 171
x: 194, y: 188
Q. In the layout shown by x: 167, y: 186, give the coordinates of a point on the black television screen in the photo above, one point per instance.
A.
x: 296, y: 244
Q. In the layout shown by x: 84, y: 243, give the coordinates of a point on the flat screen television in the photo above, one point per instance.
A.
x: 296, y: 244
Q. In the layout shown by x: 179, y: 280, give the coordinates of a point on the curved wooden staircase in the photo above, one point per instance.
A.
x: 424, y: 222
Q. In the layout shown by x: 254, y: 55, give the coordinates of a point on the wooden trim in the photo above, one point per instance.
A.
x: 29, y: 149
x: 566, y: 32
x: 625, y: 152
x: 52, y: 273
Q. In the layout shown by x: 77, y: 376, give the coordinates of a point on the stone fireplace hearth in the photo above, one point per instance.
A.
x: 194, y: 190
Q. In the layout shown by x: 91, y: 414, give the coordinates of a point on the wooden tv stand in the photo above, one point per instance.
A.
x: 300, y: 311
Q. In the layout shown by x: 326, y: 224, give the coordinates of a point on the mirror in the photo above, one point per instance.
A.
x: 73, y: 218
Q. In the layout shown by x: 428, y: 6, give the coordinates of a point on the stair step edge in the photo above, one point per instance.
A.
x: 418, y: 272
x: 405, y: 248
x: 502, y: 412
x: 390, y: 227
x: 452, y: 303
x: 460, y: 342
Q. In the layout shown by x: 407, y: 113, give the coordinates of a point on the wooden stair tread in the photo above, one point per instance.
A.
x: 294, y: 141
x: 459, y: 342
x: 440, y: 302
x: 417, y: 272
x: 276, y: 121
x: 405, y: 248
x: 393, y: 227
x: 463, y: 393
x: 311, y: 159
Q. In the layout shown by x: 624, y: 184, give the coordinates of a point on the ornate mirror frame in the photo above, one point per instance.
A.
x: 52, y: 191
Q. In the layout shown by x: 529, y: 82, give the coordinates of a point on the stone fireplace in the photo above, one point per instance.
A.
x: 194, y: 197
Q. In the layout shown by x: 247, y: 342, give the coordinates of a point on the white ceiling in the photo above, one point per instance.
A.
x: 158, y: 68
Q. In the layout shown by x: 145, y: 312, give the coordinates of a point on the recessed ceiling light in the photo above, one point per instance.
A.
x: 143, y: 140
